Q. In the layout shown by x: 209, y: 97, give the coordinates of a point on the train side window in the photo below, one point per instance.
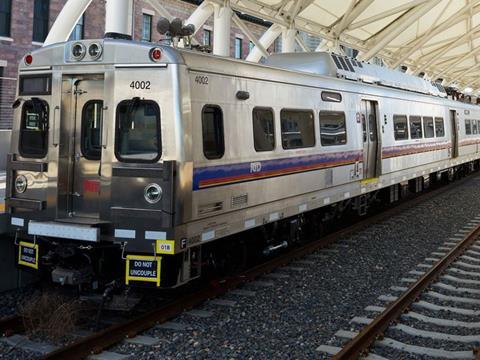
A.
x: 138, y: 136
x: 263, y: 129
x: 212, y: 131
x: 92, y: 116
x: 400, y: 127
x: 330, y: 96
x: 333, y: 128
x: 439, y: 127
x: 468, y: 127
x: 428, y: 127
x: 415, y: 127
x: 34, y: 129
x: 474, y: 127
x: 298, y: 129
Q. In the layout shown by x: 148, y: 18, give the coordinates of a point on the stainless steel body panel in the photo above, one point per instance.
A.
x: 193, y: 212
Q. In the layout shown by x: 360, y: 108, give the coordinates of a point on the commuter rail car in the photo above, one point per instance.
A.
x: 131, y: 160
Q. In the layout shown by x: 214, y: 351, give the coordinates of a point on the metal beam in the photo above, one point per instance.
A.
x: 266, y: 40
x: 66, y: 21
x: 249, y: 34
x: 382, y: 39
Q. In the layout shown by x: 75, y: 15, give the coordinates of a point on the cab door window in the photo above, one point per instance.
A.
x: 92, y: 117
x: 34, y: 129
x: 138, y: 137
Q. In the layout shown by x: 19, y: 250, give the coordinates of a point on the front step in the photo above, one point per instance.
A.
x: 57, y: 229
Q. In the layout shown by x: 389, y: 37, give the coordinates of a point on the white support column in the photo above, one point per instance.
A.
x: 288, y: 40
x: 200, y: 15
x: 118, y: 17
x: 266, y: 40
x: 66, y: 21
x: 221, y: 30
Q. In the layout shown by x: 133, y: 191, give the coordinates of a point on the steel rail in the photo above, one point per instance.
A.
x: 361, y: 343
x: 96, y: 343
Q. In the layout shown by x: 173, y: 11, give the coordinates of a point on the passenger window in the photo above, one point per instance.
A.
x: 263, y: 129
x: 298, y: 129
x: 415, y: 127
x: 400, y: 127
x: 474, y: 127
x: 428, y: 127
x: 330, y: 96
x: 439, y: 127
x: 138, y: 137
x: 212, y: 131
x: 92, y: 116
x: 34, y: 129
x: 333, y: 128
x: 468, y: 127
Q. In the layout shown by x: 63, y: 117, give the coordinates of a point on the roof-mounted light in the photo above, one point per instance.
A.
x: 78, y: 51
x: 28, y: 59
x: 95, y: 50
x: 156, y: 54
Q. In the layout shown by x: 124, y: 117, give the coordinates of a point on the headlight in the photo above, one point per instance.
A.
x: 78, y: 51
x: 95, y: 50
x: 153, y: 193
x: 21, y: 184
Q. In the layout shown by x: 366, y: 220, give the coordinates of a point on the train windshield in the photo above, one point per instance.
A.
x: 34, y: 129
x: 138, y: 137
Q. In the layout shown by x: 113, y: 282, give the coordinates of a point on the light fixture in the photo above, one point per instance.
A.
x: 153, y: 193
x: 78, y: 51
x: 21, y: 184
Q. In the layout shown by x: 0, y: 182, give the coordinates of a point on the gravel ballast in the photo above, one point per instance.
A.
x: 301, y: 306
x: 289, y: 313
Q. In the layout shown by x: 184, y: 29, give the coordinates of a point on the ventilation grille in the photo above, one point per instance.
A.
x: 240, y: 200
x: 344, y: 63
x: 210, y: 208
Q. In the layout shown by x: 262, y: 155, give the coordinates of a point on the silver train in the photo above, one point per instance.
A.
x: 132, y: 160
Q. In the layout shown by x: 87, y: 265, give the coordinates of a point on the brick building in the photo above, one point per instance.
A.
x: 24, y: 25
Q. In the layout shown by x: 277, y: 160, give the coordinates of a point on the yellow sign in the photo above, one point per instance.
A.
x: 28, y: 254
x: 166, y: 247
x: 143, y: 268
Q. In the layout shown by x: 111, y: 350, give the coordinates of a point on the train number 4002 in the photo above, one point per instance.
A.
x: 143, y: 85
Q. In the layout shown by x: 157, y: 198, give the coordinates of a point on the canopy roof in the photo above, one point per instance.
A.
x: 440, y: 38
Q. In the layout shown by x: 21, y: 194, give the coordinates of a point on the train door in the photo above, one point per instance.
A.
x: 454, y: 126
x: 87, y: 149
x: 370, y: 138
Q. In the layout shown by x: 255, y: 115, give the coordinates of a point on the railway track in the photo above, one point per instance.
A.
x: 449, y: 288
x: 100, y: 341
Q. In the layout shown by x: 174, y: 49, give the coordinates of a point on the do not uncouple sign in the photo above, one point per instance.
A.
x: 143, y: 268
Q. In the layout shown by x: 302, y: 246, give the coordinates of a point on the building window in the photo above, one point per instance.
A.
x: 212, y: 131
x: 40, y: 20
x: 5, y: 15
x: 251, y: 45
x: 78, y: 33
x: 147, y: 28
x: 207, y: 37
x: 238, y: 48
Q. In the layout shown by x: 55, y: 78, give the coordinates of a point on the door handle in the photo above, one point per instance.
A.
x: 54, y: 134
x: 104, y: 134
